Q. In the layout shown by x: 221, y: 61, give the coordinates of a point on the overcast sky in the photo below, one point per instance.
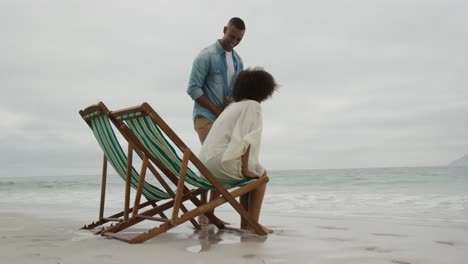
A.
x: 363, y: 83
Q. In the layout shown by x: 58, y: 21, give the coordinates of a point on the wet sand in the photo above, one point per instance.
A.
x: 296, y: 239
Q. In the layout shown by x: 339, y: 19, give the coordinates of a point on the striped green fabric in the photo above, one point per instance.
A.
x: 151, y: 136
x: 129, y: 115
x: 91, y: 115
x: 117, y: 158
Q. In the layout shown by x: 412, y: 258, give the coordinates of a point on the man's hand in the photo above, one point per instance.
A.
x: 227, y: 101
x: 205, y: 102
x: 219, y: 110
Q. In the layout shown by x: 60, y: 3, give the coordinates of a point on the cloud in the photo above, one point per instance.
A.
x: 362, y: 83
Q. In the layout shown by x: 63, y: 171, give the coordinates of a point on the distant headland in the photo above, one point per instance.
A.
x: 461, y: 162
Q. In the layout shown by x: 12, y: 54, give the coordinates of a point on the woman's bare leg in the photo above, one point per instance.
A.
x: 256, y: 200
x: 244, y: 201
x: 255, y: 204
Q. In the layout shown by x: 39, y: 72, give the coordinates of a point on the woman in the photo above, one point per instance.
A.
x: 231, y: 149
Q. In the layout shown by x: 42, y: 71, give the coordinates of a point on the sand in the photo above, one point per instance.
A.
x: 296, y: 239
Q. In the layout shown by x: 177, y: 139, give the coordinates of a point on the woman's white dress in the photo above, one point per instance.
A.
x: 238, y: 126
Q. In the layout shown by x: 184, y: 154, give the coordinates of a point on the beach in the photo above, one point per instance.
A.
x: 29, y: 239
x: 363, y: 139
x: 318, y: 223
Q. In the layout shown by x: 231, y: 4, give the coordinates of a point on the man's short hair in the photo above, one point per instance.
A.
x: 254, y: 84
x: 237, y: 23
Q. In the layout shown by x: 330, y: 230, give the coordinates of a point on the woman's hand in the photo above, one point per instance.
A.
x: 245, y: 166
x: 250, y: 174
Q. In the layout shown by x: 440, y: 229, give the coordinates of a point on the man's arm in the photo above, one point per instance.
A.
x: 205, y: 102
x: 200, y: 70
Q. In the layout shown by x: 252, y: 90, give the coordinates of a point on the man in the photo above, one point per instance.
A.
x: 213, y: 74
x: 211, y: 80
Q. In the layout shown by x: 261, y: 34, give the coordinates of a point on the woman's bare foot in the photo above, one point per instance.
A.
x: 267, y: 230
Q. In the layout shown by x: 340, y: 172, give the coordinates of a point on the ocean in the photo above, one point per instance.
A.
x: 431, y: 194
x: 361, y: 216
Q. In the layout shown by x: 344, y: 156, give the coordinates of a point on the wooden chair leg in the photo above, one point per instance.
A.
x: 244, y: 201
x: 103, y: 187
x: 118, y: 215
x: 140, y: 186
x: 127, y: 182
x: 180, y: 187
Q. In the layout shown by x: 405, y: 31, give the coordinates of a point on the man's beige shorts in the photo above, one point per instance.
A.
x: 202, y: 126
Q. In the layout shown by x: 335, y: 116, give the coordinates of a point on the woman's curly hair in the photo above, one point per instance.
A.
x: 254, y: 84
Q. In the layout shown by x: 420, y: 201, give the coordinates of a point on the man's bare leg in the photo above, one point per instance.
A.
x: 203, y: 219
x: 203, y: 126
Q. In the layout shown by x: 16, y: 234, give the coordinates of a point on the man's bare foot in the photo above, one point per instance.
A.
x: 214, y: 220
x: 203, y: 220
x: 223, y: 222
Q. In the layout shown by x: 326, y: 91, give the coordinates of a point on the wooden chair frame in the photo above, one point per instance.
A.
x: 124, y: 215
x: 182, y: 193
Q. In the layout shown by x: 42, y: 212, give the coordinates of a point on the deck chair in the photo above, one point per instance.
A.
x: 96, y: 117
x: 148, y: 132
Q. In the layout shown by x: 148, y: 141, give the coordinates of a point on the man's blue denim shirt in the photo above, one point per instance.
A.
x: 209, y: 78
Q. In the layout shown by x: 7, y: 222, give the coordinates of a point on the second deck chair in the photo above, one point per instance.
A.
x: 147, y: 131
x: 96, y: 117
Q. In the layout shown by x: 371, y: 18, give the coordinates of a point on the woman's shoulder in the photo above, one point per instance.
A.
x: 249, y: 104
x: 242, y: 107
